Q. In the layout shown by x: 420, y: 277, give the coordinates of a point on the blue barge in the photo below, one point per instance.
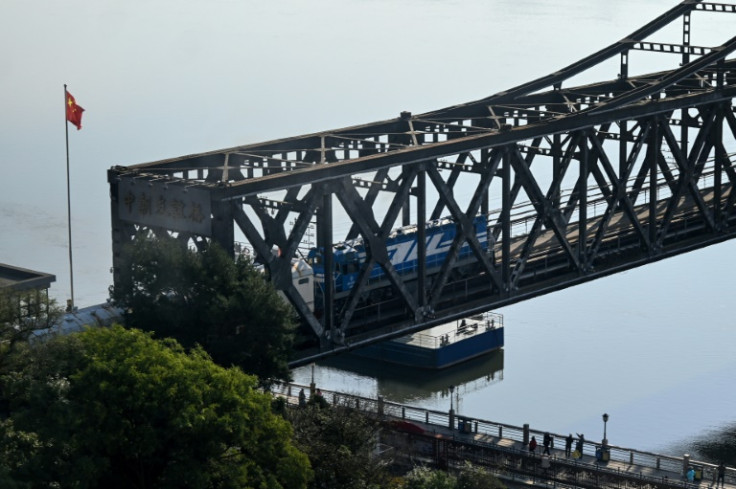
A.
x: 443, y: 345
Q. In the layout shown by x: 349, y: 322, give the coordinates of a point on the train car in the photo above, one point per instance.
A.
x: 349, y: 256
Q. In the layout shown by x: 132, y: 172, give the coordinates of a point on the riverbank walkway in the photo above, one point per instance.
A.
x: 447, y: 439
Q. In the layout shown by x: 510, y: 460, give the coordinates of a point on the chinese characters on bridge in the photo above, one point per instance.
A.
x: 170, y: 206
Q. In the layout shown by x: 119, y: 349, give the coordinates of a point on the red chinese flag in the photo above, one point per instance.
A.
x: 73, y: 111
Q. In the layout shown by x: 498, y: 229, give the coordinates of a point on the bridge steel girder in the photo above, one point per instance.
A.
x: 539, y: 165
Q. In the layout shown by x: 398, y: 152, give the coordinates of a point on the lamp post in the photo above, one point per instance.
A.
x: 451, y: 419
x: 605, y: 420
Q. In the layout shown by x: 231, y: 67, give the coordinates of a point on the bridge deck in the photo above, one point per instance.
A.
x: 611, y: 470
x: 447, y: 439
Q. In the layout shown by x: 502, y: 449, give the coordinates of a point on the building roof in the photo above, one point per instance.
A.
x: 17, y: 279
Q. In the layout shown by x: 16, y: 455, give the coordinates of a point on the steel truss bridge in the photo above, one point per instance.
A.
x: 576, y: 183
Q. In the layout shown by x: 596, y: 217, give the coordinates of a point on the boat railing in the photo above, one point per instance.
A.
x: 463, y: 328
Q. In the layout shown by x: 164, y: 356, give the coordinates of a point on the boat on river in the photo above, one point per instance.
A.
x: 443, y: 345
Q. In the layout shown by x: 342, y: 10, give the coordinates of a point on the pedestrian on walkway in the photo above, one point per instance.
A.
x: 532, y: 445
x: 721, y: 475
x: 568, y: 445
x: 690, y: 474
x: 302, y: 398
x: 546, y: 442
x: 581, y: 444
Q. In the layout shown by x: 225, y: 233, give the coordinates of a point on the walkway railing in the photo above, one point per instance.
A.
x: 637, y: 459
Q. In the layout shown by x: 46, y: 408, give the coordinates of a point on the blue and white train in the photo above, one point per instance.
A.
x: 349, y: 256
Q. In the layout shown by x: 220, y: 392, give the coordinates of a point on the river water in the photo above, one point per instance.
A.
x: 651, y: 347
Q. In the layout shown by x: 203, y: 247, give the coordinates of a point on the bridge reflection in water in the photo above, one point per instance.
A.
x: 414, y: 385
x: 448, y: 440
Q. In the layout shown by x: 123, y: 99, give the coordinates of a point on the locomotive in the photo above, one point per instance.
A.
x: 349, y: 256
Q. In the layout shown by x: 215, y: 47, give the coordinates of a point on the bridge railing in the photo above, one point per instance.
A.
x: 441, y: 419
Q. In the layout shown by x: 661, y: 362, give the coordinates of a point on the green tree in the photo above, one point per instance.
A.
x: 426, y: 478
x: 114, y: 408
x: 22, y: 312
x: 16, y: 450
x: 473, y: 477
x: 470, y: 477
x: 342, y: 446
x: 207, y: 298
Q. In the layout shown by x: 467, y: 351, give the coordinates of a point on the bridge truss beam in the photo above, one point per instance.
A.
x: 573, y: 184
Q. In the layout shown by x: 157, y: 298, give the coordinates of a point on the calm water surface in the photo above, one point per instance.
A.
x: 652, y: 347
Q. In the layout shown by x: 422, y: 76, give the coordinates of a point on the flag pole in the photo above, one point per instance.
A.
x: 70, y: 305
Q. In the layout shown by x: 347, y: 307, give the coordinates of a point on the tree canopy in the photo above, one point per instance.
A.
x: 341, y: 445
x: 114, y: 408
x: 205, y: 297
x: 470, y: 477
x: 21, y: 312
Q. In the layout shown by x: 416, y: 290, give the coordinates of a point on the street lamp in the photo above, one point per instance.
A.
x: 605, y: 420
x: 451, y: 416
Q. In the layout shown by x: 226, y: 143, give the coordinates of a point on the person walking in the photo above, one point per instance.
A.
x: 568, y: 445
x: 532, y: 445
x: 721, y: 475
x: 690, y: 474
x: 546, y: 442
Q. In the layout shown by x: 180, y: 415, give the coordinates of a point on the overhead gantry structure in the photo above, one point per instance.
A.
x: 571, y: 183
